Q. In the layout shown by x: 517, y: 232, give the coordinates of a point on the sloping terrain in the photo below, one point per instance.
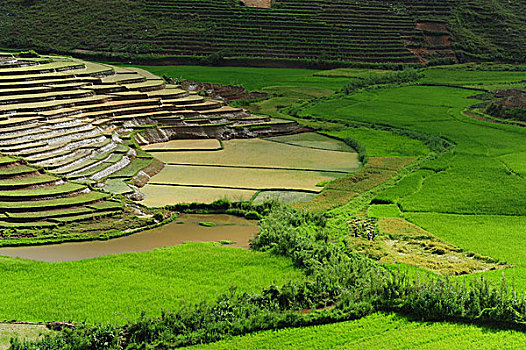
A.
x: 68, y: 128
x: 368, y: 32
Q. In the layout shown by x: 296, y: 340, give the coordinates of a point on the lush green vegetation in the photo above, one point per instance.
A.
x: 250, y: 78
x: 376, y: 332
x: 492, y: 235
x: 477, y: 76
x: 323, y: 33
x: 383, y: 143
x: 384, y: 211
x: 465, y: 188
x: 470, y: 179
x: 335, y: 276
x: 116, y: 289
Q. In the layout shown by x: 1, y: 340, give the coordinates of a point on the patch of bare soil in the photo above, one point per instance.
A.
x: 437, y: 39
x: 511, y: 98
x: 256, y: 3
x: 228, y: 93
x: 432, y: 26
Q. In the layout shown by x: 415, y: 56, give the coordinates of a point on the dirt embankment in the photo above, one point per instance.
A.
x: 436, y: 42
x: 512, y: 98
x: 228, y: 93
x: 256, y: 3
x: 436, y: 33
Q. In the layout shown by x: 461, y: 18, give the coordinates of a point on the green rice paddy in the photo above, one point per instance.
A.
x: 114, y: 289
x: 313, y: 140
x: 251, y: 78
x: 383, y: 143
x: 378, y: 331
x: 471, y: 180
x: 265, y: 154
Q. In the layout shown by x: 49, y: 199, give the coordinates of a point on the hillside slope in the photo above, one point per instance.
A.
x: 399, y: 31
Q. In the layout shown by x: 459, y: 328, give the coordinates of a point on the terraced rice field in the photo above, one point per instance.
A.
x: 185, y: 145
x: 301, y: 163
x: 74, y: 123
x: 161, y: 195
x: 266, y: 154
x: 435, y: 211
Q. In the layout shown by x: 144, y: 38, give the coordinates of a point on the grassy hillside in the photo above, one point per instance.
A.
x: 364, y: 32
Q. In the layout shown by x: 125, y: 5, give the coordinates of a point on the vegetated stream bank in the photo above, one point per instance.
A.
x: 188, y: 227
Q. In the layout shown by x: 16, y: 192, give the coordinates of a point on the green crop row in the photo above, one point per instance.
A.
x: 62, y: 189
x: 53, y: 203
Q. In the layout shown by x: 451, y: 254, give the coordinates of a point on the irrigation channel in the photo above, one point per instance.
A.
x: 187, y: 227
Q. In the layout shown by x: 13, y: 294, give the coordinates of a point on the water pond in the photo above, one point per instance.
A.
x: 187, y: 227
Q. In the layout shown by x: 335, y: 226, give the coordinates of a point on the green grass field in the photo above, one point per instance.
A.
x: 20, y: 331
x: 378, y: 331
x: 482, y: 79
x: 118, y: 288
x: 250, y: 78
x: 476, y: 181
x: 383, y: 143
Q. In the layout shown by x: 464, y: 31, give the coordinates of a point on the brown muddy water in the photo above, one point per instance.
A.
x: 185, y: 228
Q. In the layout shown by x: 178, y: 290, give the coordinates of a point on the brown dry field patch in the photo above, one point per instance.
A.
x: 402, y: 242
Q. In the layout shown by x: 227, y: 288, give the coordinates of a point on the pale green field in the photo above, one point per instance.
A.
x: 161, y: 195
x: 199, y: 144
x: 283, y: 196
x: 242, y: 178
x: 262, y: 153
x: 20, y: 331
x: 313, y: 140
x: 245, y: 166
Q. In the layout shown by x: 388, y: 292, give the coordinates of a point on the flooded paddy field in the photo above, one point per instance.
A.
x: 178, y: 145
x: 313, y: 140
x: 291, y: 168
x: 187, y: 228
x: 243, y: 178
x: 266, y: 154
x: 161, y: 195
